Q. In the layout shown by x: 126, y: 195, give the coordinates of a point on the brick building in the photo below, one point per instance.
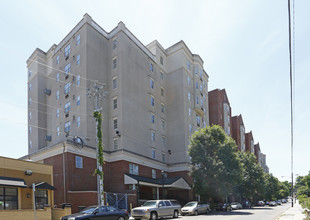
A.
x: 238, y: 131
x: 220, y: 110
x: 249, y: 142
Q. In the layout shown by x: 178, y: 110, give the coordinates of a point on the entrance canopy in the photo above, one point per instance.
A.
x: 10, y: 181
x: 44, y: 185
x: 174, y: 182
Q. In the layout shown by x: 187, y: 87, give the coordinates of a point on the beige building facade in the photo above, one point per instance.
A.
x: 154, y: 98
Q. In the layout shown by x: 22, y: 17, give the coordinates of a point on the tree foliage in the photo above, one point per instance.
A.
x: 215, y: 166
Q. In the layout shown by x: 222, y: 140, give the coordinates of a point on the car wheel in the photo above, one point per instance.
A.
x: 121, y: 218
x: 175, y: 214
x: 153, y: 216
x: 196, y: 212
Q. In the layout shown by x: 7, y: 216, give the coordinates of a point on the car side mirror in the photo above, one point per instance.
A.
x: 95, y: 212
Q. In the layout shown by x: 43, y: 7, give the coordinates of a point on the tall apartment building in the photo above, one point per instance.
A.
x: 238, y: 131
x: 220, y: 110
x: 154, y: 99
x: 249, y: 142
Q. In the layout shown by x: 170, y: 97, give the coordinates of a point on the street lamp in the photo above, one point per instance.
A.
x: 162, y: 181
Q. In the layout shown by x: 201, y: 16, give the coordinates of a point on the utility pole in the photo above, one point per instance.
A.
x: 97, y: 92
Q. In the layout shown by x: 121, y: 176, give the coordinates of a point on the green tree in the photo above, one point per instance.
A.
x: 215, y: 165
x: 251, y: 185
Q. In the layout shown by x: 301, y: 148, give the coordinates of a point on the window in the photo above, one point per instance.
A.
x: 78, y: 100
x: 153, y: 136
x: 204, y: 124
x: 78, y: 121
x: 67, y: 126
x: 29, y: 101
x: 161, y: 60
x: 201, y: 103
x: 115, y: 103
x: 67, y: 107
x: 67, y: 50
x: 188, y: 80
x: 115, y: 123
x: 57, y: 113
x: 78, y: 162
x: 162, y: 91
x: 153, y: 154
x: 30, y: 144
x: 30, y: 115
x: 114, y: 82
x: 196, y: 70
x: 58, y: 132
x: 30, y: 86
x: 189, y: 112
x: 78, y: 57
x: 163, y: 140
x: 197, y: 85
x: 78, y: 39
x: 162, y: 75
x: 200, y: 88
x: 57, y: 95
x: 153, y: 174
x: 190, y: 128
x: 152, y: 101
x: 57, y: 77
x: 162, y: 107
x: 114, y: 43
x: 163, y: 157
x: 29, y: 73
x: 114, y: 63
x: 67, y: 88
x: 57, y: 59
x: 152, y: 118
x: 41, y: 198
x: 8, y: 198
x: 151, y: 67
x: 30, y: 129
x: 197, y: 119
x: 67, y: 69
x: 115, y: 143
x: 189, y: 96
x: 152, y: 83
x: 197, y: 100
x: 78, y: 80
x: 188, y: 65
x: 162, y: 123
x: 133, y: 169
x: 200, y: 73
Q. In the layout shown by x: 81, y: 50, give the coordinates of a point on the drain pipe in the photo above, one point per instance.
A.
x: 64, y: 172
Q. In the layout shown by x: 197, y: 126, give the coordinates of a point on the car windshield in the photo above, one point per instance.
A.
x: 89, y: 210
x: 149, y: 203
x: 190, y: 204
x: 234, y: 203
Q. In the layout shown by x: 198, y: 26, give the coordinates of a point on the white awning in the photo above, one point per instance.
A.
x: 10, y: 181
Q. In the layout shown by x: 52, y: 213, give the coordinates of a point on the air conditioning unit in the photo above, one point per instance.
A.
x: 48, y: 138
x: 67, y: 95
x: 67, y: 57
x: 67, y: 115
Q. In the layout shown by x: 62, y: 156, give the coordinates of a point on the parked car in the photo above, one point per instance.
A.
x: 284, y: 201
x: 267, y: 203
x: 100, y: 213
x: 279, y: 202
x: 260, y: 203
x: 226, y: 207
x: 154, y: 209
x: 236, y: 205
x: 272, y: 203
x: 247, y: 204
x: 195, y: 208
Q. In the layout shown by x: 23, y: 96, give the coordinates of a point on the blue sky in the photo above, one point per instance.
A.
x: 244, y: 44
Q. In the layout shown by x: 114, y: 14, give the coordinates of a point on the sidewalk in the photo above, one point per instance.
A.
x: 293, y: 213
